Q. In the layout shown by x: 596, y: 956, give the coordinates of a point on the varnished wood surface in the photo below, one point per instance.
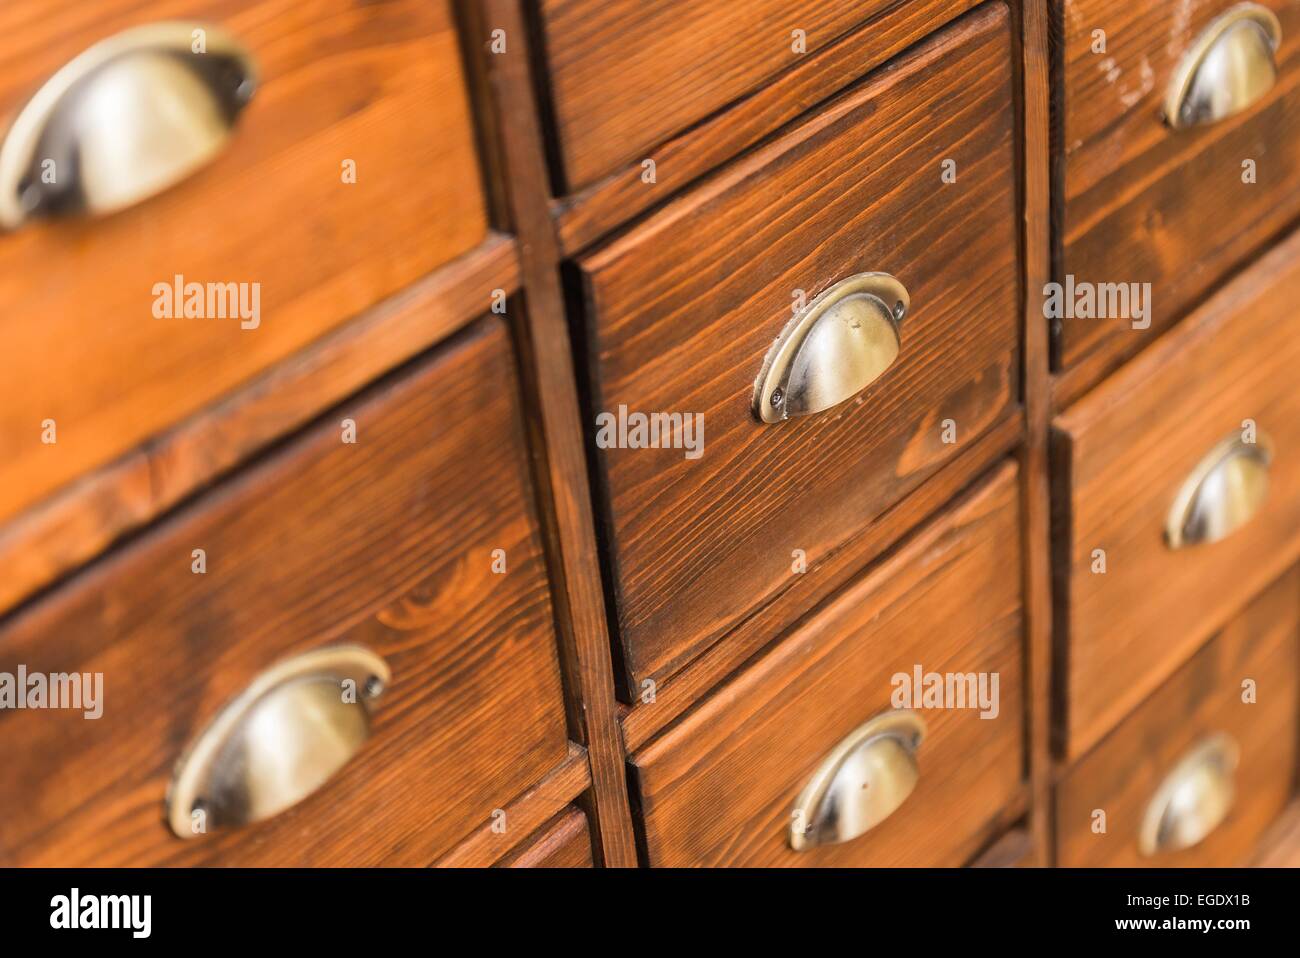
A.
x: 1203, y: 698
x: 625, y: 75
x: 1124, y: 451
x: 496, y: 837
x: 1280, y: 845
x: 387, y: 543
x: 80, y: 521
x: 1143, y: 203
x: 556, y: 432
x: 651, y: 714
x: 584, y: 216
x: 718, y: 787
x: 377, y: 83
x: 683, y: 308
x: 1034, y: 474
x: 564, y: 843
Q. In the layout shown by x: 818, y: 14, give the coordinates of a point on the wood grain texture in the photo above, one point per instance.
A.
x: 718, y: 787
x: 1035, y: 143
x: 378, y: 83
x: 584, y: 216
x: 1146, y: 204
x: 83, y: 519
x: 488, y: 844
x: 1125, y: 449
x: 1202, y: 698
x: 650, y: 715
x: 682, y: 309
x: 564, y: 843
x: 625, y: 75
x: 387, y: 543
x: 555, y: 427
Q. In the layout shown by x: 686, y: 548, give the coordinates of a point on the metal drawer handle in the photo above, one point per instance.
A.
x: 833, y: 349
x: 1223, y: 493
x: 1193, y: 800
x: 1229, y: 67
x: 861, y: 783
x: 297, y: 724
x: 123, y: 121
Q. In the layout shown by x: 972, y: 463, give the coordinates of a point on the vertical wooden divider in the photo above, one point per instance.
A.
x: 554, y: 415
x: 1035, y: 489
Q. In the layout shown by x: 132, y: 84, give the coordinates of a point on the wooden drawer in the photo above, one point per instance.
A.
x: 564, y: 843
x: 1144, y: 203
x: 626, y: 75
x: 388, y: 543
x: 376, y: 83
x: 1126, y: 450
x: 719, y: 788
x: 683, y: 309
x: 1181, y: 727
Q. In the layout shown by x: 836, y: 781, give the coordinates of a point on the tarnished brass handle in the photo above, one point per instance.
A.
x: 833, y: 348
x: 297, y: 724
x: 1193, y: 800
x: 128, y: 118
x: 859, y: 784
x: 1223, y: 493
x: 1229, y: 67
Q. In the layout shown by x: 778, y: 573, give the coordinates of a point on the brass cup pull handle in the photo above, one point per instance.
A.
x: 859, y: 784
x: 131, y: 116
x: 278, y: 741
x: 1224, y: 492
x: 833, y: 348
x: 1193, y: 800
x: 1227, y: 69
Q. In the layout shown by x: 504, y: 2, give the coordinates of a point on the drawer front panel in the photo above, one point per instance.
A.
x: 684, y: 309
x: 1237, y: 695
x: 1144, y: 203
x: 626, y: 75
x: 375, y: 88
x: 389, y: 542
x: 564, y: 843
x: 1129, y: 448
x: 720, y: 787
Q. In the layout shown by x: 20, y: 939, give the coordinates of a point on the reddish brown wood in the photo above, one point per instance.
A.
x: 377, y: 83
x: 1146, y: 204
x: 651, y: 714
x: 1126, y: 448
x: 682, y: 309
x: 717, y: 788
x: 489, y: 843
x: 810, y: 80
x: 81, y: 521
x: 1036, y: 494
x: 1280, y: 846
x: 557, y: 437
x: 386, y: 542
x: 1203, y: 698
x: 564, y: 843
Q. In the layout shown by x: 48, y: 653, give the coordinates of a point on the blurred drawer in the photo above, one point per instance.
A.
x: 626, y: 75
x: 1146, y: 203
x: 375, y: 84
x: 564, y: 843
x: 683, y: 311
x: 1137, y: 454
x: 723, y: 787
x: 388, y: 543
x: 1228, y: 750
